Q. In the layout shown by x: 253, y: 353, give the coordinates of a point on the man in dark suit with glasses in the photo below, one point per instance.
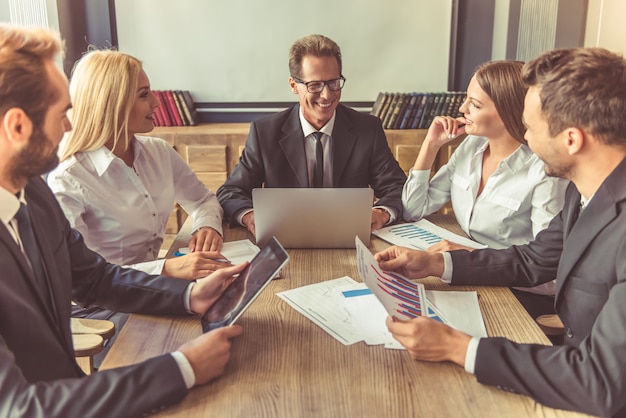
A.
x: 315, y: 143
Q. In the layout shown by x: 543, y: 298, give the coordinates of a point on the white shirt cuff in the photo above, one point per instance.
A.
x: 391, y: 212
x: 470, y: 355
x: 242, y: 214
x: 185, y: 368
x: 187, y: 298
x: 446, y: 276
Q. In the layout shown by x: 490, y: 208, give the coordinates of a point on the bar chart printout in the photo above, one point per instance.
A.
x: 401, y: 298
x: 414, y: 232
x: 421, y: 235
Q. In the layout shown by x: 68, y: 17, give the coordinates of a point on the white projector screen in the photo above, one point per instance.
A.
x: 237, y: 51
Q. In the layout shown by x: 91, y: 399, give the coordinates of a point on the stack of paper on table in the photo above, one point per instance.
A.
x: 350, y: 312
x: 336, y: 306
x: 421, y: 235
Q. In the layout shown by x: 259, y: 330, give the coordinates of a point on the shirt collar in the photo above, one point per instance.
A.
x: 102, y: 158
x: 308, y: 129
x: 514, y: 162
x: 584, y: 202
x: 9, y: 204
x: 518, y: 158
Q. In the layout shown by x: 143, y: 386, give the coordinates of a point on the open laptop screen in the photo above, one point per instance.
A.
x: 313, y: 218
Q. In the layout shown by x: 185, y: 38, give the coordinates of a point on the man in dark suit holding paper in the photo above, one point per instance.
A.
x: 316, y: 143
x: 45, y: 265
x: 574, y: 114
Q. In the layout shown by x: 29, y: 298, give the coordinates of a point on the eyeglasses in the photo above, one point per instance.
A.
x: 318, y: 86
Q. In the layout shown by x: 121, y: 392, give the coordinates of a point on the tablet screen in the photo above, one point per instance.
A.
x: 251, y: 281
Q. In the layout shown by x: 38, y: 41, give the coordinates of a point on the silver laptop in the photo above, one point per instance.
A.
x: 313, y: 218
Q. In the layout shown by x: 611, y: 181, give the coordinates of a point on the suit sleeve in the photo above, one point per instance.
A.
x: 587, y: 378
x: 125, y: 392
x: 522, y: 266
x: 386, y: 176
x: 235, y: 194
x: 586, y: 374
x: 96, y: 282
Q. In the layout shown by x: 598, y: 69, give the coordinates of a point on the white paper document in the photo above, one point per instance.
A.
x: 239, y: 251
x: 235, y: 251
x: 421, y: 235
x: 460, y: 310
x: 351, y: 312
x: 345, y: 309
x: 401, y: 298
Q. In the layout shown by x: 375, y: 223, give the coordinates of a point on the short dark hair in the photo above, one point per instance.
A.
x: 316, y: 45
x: 583, y: 88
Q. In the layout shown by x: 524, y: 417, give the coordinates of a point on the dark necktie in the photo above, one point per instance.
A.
x: 318, y: 172
x: 30, y: 245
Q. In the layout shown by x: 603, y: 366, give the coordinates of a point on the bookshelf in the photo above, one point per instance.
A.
x: 212, y: 150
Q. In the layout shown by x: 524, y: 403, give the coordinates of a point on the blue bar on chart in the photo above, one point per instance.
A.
x: 410, y: 231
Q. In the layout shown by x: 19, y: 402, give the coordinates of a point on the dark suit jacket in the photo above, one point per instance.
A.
x: 38, y: 374
x: 274, y: 156
x: 587, y: 254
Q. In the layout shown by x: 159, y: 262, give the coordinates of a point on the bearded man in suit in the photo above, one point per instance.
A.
x: 45, y: 265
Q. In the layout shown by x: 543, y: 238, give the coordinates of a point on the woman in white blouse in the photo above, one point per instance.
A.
x: 117, y: 188
x: 499, y: 190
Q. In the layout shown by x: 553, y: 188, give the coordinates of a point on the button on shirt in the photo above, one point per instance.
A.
x: 122, y: 211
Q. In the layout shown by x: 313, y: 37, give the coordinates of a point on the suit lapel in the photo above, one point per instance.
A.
x: 54, y: 313
x: 580, y: 230
x: 342, y: 143
x: 37, y: 215
x: 292, y: 144
x: 590, y: 223
x: 28, y: 274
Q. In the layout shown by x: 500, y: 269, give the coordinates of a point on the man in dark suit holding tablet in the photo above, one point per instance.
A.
x: 574, y: 114
x: 45, y: 265
x: 316, y: 143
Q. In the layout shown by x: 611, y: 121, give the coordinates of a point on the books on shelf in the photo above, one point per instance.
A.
x: 415, y: 110
x: 177, y: 108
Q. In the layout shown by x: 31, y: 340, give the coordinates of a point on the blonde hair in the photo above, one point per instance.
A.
x: 24, y: 80
x: 102, y: 88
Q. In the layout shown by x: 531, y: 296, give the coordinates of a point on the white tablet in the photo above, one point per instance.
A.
x: 250, y: 283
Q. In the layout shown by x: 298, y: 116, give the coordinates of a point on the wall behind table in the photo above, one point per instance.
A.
x: 237, y: 50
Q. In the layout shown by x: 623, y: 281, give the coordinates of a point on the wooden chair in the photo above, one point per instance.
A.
x: 88, y: 336
x: 552, y: 326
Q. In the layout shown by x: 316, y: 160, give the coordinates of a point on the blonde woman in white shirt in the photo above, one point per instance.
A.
x: 117, y: 188
x: 498, y: 187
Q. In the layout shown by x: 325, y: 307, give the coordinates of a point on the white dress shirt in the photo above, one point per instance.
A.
x: 309, y: 150
x: 122, y: 211
x: 9, y: 205
x: 518, y: 200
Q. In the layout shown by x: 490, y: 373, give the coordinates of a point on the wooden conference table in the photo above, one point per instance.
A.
x: 283, y: 365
